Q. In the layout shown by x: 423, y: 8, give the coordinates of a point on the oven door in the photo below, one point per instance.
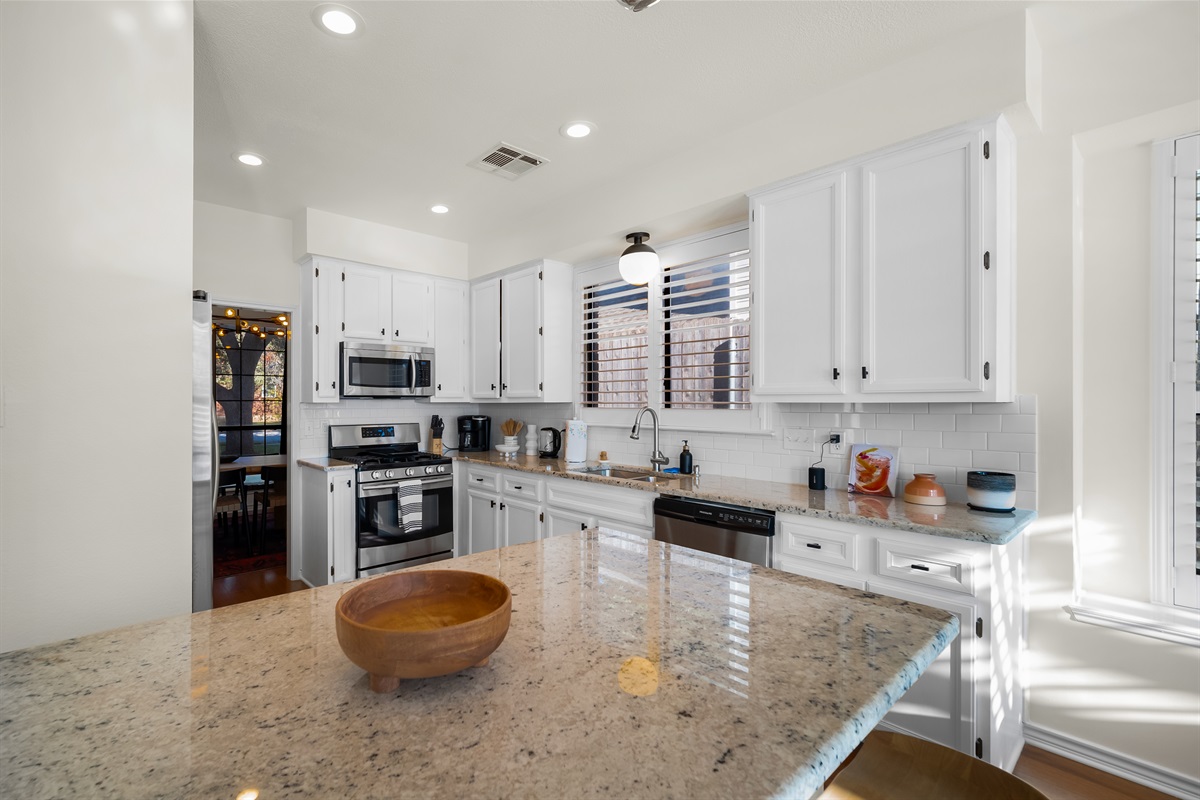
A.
x: 370, y: 370
x: 382, y: 543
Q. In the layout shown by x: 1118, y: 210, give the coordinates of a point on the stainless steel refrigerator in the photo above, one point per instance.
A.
x: 205, y: 458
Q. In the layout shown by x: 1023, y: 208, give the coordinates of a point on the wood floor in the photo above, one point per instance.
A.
x: 1057, y: 777
x: 255, y: 585
x: 1063, y: 779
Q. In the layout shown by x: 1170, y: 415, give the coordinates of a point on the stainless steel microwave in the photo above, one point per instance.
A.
x: 386, y: 370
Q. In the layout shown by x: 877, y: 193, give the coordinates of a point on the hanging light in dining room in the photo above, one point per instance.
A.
x: 639, y: 262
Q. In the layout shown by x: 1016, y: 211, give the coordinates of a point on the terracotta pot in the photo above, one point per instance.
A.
x: 924, y: 490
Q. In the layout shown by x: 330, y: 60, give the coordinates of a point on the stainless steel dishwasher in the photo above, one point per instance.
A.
x: 747, y: 534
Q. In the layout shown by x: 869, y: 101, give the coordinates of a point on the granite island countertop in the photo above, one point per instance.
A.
x: 632, y: 669
x: 953, y: 520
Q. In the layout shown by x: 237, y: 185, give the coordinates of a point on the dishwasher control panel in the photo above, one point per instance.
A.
x: 738, y: 518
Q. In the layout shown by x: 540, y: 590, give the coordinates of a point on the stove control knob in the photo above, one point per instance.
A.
x: 391, y: 473
x: 429, y: 470
x: 410, y: 472
x: 375, y: 475
x: 441, y: 468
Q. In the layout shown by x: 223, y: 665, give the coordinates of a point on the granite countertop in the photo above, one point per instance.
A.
x: 324, y: 463
x: 632, y: 669
x: 953, y: 520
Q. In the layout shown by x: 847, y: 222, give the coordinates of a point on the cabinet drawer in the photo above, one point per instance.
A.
x: 926, y: 566
x: 810, y: 569
x: 818, y: 544
x: 614, y: 503
x: 485, y: 479
x: 521, y: 484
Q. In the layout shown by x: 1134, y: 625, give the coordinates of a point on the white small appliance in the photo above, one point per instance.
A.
x: 576, y: 441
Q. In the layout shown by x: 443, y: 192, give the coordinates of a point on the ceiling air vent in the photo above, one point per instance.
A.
x: 507, y: 161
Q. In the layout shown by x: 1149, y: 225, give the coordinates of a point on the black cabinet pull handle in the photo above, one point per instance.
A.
x: 479, y: 480
x: 493, y: 387
x: 864, y: 372
x: 921, y: 567
x: 493, y: 502
x: 397, y: 333
x: 504, y: 387
x: 383, y: 331
x: 439, y: 387
x: 813, y: 545
x: 583, y: 526
x: 502, y: 506
x: 518, y: 488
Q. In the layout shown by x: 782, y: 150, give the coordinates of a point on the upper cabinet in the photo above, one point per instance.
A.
x: 320, y: 333
x: 890, y: 278
x: 521, y: 334
x: 343, y: 300
x: 450, y: 340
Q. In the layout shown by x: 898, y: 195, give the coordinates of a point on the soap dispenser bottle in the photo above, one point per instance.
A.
x: 685, y: 460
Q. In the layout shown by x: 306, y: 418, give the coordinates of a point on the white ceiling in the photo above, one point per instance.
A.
x: 381, y: 127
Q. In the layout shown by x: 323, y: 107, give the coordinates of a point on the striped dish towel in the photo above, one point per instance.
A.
x: 408, y: 502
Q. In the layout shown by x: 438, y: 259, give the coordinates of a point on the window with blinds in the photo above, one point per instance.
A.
x: 706, y: 333
x: 615, y: 345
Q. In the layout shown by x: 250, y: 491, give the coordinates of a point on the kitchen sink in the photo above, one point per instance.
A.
x: 640, y: 475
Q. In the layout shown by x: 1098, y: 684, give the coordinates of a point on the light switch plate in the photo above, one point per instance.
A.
x: 799, y: 439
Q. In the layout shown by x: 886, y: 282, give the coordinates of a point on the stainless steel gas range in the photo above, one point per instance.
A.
x: 404, y: 497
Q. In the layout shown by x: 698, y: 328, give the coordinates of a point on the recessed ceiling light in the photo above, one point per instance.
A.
x: 249, y: 159
x: 337, y: 20
x: 577, y: 129
x: 439, y: 209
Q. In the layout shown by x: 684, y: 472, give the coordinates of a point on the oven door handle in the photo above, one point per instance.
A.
x: 389, y: 487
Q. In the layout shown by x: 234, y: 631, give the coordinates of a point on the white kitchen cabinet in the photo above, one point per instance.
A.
x: 970, y: 697
x: 412, y: 309
x: 328, y: 552
x: 521, y: 334
x: 890, y: 277
x: 450, y: 334
x: 799, y: 275
x: 521, y: 520
x: 561, y: 520
x: 483, y: 521
x: 366, y: 303
x: 485, y: 339
x: 320, y: 332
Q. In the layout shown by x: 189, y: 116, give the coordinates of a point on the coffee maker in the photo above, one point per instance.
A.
x: 474, y: 434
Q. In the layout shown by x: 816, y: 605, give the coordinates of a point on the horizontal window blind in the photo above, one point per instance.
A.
x: 706, y: 333
x: 615, y: 345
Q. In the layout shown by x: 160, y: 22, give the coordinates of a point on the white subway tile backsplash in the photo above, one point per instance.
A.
x: 987, y: 459
x: 889, y: 438
x: 1026, y: 499
x: 910, y: 408
x: 978, y: 422
x: 759, y: 473
x: 1029, y: 462
x: 951, y: 408
x: 934, y: 422
x: 734, y: 470
x: 965, y: 440
x: 997, y: 408
x: 896, y: 422
x: 950, y: 458
x: 1019, y: 423
x: 1026, y: 482
x: 875, y: 408
x: 1023, y: 442
x: 1027, y: 403
x: 921, y: 438
x: 824, y: 420
x: 914, y: 455
x: 751, y: 444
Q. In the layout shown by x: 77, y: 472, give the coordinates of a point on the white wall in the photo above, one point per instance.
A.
x: 95, y: 264
x: 245, y: 258
x: 322, y: 233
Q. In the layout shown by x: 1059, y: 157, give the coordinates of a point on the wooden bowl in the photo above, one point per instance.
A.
x: 422, y: 624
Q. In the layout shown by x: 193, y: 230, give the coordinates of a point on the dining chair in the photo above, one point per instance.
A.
x: 231, y: 499
x: 273, y: 497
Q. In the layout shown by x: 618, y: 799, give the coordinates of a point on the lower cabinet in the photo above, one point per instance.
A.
x: 505, y: 507
x: 328, y: 553
x: 970, y: 698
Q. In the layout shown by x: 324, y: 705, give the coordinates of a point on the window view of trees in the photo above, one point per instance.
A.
x: 249, y: 375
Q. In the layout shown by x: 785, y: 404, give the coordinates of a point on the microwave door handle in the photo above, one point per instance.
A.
x: 412, y: 373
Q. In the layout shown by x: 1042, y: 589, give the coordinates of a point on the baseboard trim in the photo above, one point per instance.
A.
x: 1114, y: 763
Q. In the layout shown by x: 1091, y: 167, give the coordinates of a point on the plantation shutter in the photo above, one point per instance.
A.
x: 615, y: 345
x: 706, y: 333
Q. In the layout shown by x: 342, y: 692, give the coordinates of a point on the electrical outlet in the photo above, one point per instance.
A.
x: 839, y: 448
x: 799, y: 439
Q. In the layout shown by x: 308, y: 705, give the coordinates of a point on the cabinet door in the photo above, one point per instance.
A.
x: 343, y: 546
x: 325, y: 327
x: 483, y: 518
x: 522, y: 521
x: 940, y: 706
x: 521, y: 335
x: 922, y: 275
x: 450, y: 325
x: 799, y: 245
x: 485, y: 339
x: 559, y: 521
x: 366, y: 303
x: 412, y: 311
